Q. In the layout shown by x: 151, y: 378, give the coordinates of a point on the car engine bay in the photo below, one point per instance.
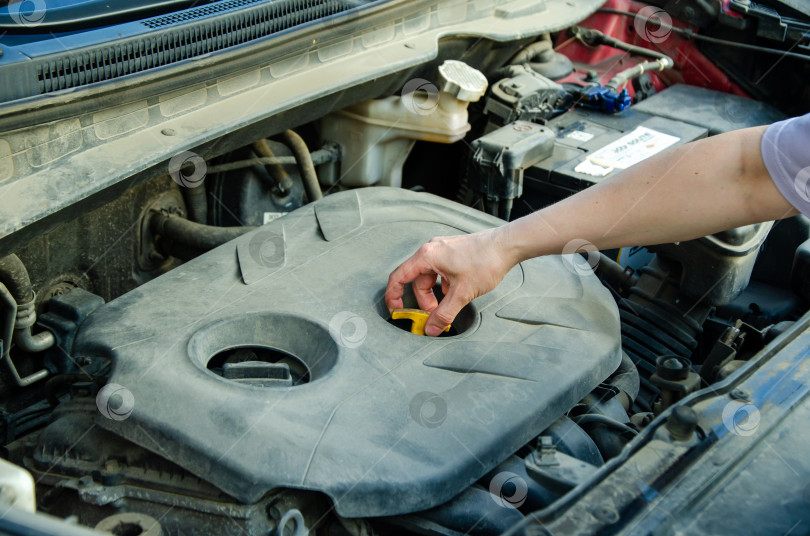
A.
x: 200, y: 344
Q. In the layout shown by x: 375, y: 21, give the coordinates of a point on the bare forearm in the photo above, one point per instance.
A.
x: 684, y: 193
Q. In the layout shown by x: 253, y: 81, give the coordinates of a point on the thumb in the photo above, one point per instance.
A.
x: 443, y: 315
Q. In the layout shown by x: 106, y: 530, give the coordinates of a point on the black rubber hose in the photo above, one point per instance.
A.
x: 614, y: 273
x: 530, y: 52
x: 21, y: 334
x: 493, y: 208
x: 305, y: 164
x: 626, y: 378
x: 178, y: 250
x: 569, y: 438
x: 507, y: 71
x: 477, y: 508
x: 608, y: 440
x: 192, y: 234
x: 595, y: 418
x: 15, y: 277
x: 276, y: 170
x: 505, y: 209
x: 196, y: 203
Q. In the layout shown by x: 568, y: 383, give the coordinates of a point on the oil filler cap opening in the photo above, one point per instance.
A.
x: 466, y: 319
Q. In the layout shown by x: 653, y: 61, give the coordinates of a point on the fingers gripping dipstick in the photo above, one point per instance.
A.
x: 418, y: 319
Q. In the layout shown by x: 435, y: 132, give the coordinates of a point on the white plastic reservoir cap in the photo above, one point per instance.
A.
x: 462, y: 81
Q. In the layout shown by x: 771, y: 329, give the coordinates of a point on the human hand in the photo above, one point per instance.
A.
x: 469, y: 266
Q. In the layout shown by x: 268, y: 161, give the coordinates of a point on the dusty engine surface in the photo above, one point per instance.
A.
x: 200, y: 207
x: 331, y: 389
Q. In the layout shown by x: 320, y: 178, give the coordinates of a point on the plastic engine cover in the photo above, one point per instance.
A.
x: 389, y: 422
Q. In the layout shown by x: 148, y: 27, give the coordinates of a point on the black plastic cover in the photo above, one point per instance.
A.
x: 514, y: 146
x: 716, y: 111
x: 503, y: 154
x: 389, y: 422
x: 103, y: 54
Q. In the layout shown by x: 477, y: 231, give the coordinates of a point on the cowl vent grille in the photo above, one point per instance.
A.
x: 256, y: 20
x: 197, y: 13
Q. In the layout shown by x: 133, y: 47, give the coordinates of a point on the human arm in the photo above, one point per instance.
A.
x: 683, y: 193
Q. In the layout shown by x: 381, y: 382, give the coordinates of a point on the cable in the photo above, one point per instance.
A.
x: 591, y: 37
x: 698, y: 37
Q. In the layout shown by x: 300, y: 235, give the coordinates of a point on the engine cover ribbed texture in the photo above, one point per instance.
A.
x: 390, y: 422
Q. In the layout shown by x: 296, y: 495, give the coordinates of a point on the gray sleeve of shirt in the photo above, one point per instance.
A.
x: 786, y: 153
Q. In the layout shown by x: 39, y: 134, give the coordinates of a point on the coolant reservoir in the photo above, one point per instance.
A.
x: 16, y: 487
x: 377, y: 135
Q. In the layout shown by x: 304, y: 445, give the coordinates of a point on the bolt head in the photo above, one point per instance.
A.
x: 741, y: 394
x: 605, y: 514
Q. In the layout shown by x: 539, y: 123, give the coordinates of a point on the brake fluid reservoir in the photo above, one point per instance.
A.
x: 377, y: 135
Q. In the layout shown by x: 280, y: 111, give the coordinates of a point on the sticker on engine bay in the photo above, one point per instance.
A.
x: 579, y: 135
x: 631, y: 149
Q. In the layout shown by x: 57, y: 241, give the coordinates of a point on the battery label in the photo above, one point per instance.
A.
x: 630, y: 149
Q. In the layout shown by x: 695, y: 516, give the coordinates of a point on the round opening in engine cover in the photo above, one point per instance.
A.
x: 264, y: 350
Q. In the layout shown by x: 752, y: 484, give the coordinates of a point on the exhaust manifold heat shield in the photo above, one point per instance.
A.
x: 389, y: 422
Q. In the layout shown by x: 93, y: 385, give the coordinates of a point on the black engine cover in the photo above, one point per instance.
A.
x: 389, y: 422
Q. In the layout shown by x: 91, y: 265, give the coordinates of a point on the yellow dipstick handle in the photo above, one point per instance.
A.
x: 418, y: 319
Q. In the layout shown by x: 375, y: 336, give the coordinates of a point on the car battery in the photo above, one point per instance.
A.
x: 591, y: 146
